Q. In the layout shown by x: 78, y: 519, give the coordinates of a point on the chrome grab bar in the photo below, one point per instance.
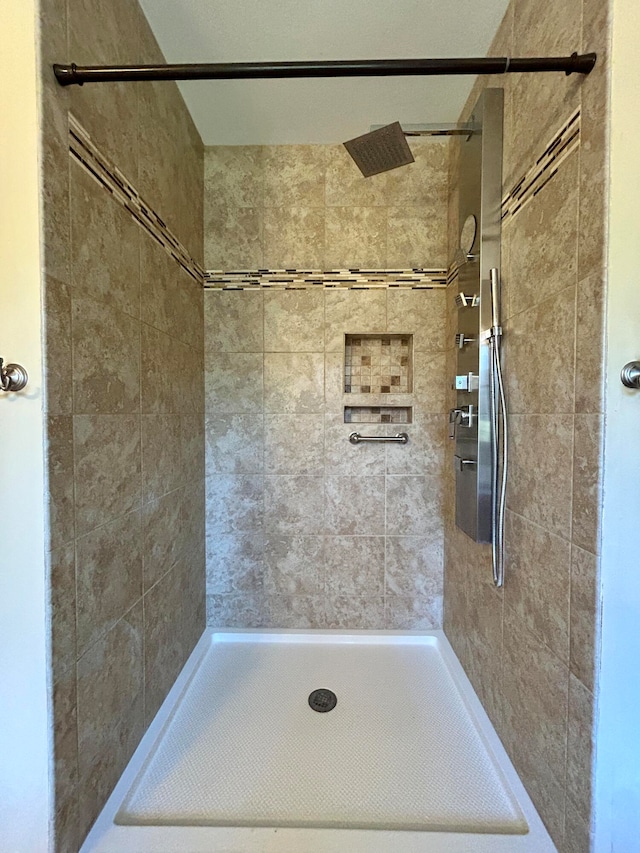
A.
x: 356, y: 438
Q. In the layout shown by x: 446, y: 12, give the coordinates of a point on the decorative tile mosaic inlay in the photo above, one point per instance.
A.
x: 377, y: 414
x: 377, y: 364
x: 351, y: 279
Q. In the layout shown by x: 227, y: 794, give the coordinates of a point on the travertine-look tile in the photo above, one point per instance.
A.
x: 65, y: 750
x: 580, y: 740
x: 540, y: 356
x: 355, y: 612
x: 543, y: 241
x: 238, y: 611
x: 346, y: 459
x: 105, y: 262
x: 107, y: 457
x: 235, y: 443
x: 354, y: 506
x: 590, y: 326
x: 106, y: 359
x: 294, y: 565
x: 233, y: 321
x: 293, y: 237
x: 354, y: 565
x: 429, y: 381
x: 424, y: 452
x: 235, y: 562
x: 346, y: 186
x: 414, y: 506
x: 334, y: 382
x: 293, y: 504
x: 294, y: 321
x: 416, y: 238
x: 108, y: 576
x: 424, y: 183
x: 234, y: 383
x: 293, y: 382
x: 577, y: 837
x: 162, y: 469
x: 60, y: 471
x: 110, y: 711
x: 159, y: 352
x: 540, y: 482
x: 413, y: 566
x: 163, y: 541
x: 234, y: 503
x: 538, y: 566
x: 587, y: 455
x: 294, y: 175
x: 233, y: 176
x: 294, y: 444
x: 352, y: 312
x: 355, y: 237
x: 297, y: 612
x: 584, y: 615
x: 59, y: 395
x: 62, y: 575
x: 233, y: 237
x: 420, y: 313
x: 418, y: 613
x: 536, y: 688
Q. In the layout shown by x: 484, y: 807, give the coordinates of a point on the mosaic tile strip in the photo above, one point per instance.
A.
x: 107, y: 174
x: 377, y: 414
x: 377, y: 364
x: 354, y: 279
x: 563, y: 143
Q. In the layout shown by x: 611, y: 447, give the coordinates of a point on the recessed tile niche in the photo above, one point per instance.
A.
x: 377, y: 414
x: 378, y: 364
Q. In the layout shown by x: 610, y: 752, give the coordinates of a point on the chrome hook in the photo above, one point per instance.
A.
x: 13, y: 377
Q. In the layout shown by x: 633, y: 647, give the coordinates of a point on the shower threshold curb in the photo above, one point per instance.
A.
x: 110, y: 836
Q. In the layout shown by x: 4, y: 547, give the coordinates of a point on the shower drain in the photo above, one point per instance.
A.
x: 323, y: 700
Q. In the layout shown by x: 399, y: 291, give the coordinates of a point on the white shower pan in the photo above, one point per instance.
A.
x: 237, y: 761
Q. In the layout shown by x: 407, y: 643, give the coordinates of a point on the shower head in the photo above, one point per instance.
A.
x: 380, y: 150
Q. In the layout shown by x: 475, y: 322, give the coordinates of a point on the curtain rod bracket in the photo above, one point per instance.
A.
x: 73, y: 74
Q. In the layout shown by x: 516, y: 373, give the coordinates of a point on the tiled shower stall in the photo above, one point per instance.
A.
x: 234, y: 404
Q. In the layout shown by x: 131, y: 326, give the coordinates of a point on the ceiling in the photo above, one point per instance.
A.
x: 278, y: 112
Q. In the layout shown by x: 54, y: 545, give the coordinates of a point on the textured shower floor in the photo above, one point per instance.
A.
x: 406, y: 755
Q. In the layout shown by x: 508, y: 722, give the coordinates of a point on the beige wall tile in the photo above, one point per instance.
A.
x: 576, y: 833
x: 293, y: 504
x: 163, y: 536
x: 354, y: 612
x: 424, y: 452
x: 233, y: 383
x: 536, y: 688
x: 540, y: 483
x: 354, y: 506
x: 170, y: 300
x: 108, y: 578
x: 65, y: 750
x: 59, y: 395
x: 429, y: 382
x: 414, y: 506
x: 293, y: 237
x: 297, y: 612
x: 294, y: 444
x: 162, y: 469
x: 354, y: 565
x: 416, y: 237
x: 294, y: 175
x: 417, y: 613
x: 107, y: 456
x: 234, y: 503
x: 110, y: 711
x: 580, y: 747
x: 235, y: 443
x: 423, y: 183
x: 539, y: 353
x: 233, y: 237
x: 353, y: 312
x: 538, y: 568
x: 584, y: 615
x: 235, y: 563
x: 233, y: 176
x: 587, y: 454
x: 293, y: 382
x: 158, y: 351
x: 60, y: 473
x: 413, y: 566
x: 294, y: 321
x: 349, y: 460
x: 62, y: 573
x: 542, y: 247
x: 234, y: 321
x: 590, y: 329
x: 420, y: 313
x: 346, y: 186
x: 355, y: 237
x: 294, y: 565
x: 238, y: 611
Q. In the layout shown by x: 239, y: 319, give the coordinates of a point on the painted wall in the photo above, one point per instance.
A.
x: 26, y: 802
x: 531, y: 648
x: 124, y: 367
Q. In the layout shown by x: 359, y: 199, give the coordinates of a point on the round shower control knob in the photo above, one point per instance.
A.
x: 630, y: 374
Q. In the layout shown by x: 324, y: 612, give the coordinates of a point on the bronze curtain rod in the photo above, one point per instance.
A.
x: 68, y: 75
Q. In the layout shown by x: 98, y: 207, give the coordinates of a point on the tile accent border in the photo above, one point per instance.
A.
x: 562, y: 144
x: 90, y: 157
x: 351, y: 279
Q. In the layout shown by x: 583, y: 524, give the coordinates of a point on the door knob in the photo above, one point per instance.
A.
x: 630, y: 374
